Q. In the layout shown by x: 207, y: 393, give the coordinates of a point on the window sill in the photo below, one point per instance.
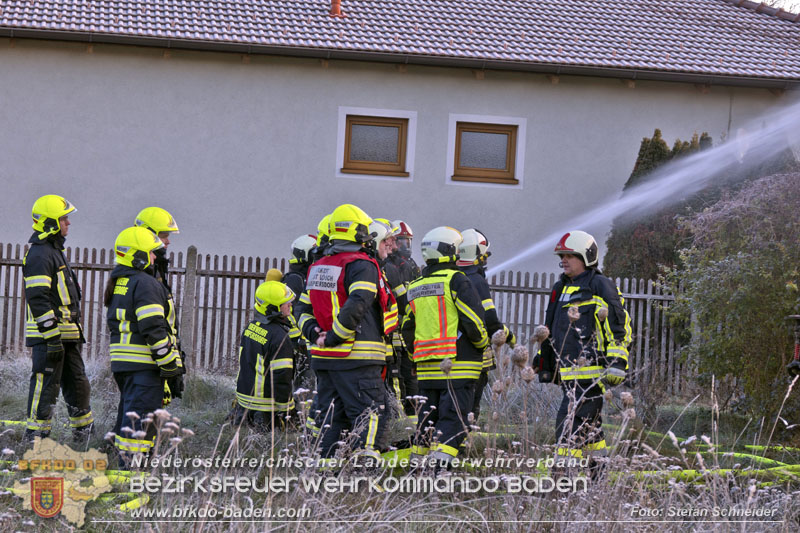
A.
x: 504, y: 181
x: 375, y: 172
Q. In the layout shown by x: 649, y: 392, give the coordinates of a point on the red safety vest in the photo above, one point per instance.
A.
x: 328, y: 294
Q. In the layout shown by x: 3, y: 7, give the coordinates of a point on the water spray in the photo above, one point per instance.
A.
x: 684, y: 177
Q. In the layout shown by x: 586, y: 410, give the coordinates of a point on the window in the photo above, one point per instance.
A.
x: 485, y: 152
x: 375, y: 145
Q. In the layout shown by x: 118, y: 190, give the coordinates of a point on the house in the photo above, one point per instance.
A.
x: 249, y: 120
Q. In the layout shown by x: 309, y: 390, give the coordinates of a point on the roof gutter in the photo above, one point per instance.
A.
x: 412, y: 59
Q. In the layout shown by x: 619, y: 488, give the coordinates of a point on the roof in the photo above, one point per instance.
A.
x: 706, y: 41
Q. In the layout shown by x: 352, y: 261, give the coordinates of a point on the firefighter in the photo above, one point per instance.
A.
x: 264, y: 381
x: 381, y: 246
x: 295, y: 279
x: 349, y: 311
x: 587, y: 348
x: 53, y: 328
x: 144, y: 354
x: 445, y: 333
x: 162, y: 223
x: 409, y: 271
x: 472, y: 255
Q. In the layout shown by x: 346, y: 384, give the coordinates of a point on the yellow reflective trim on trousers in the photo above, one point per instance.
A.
x: 133, y: 445
x: 277, y: 364
x: 569, y: 452
x: 420, y: 450
x: 312, y: 426
x: 580, y: 372
x: 63, y: 292
x: 362, y: 286
x: 37, y: 394
x: 444, y: 448
x: 146, y: 311
x: 35, y: 424
x: 81, y: 421
x: 38, y: 281
x: 372, y: 431
x: 595, y: 446
x: 262, y: 404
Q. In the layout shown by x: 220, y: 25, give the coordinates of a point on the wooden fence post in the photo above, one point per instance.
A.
x: 188, y: 305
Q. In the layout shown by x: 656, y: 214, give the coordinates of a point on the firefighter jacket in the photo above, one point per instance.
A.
x: 477, y: 276
x: 580, y: 351
x: 264, y: 381
x: 141, y: 320
x: 348, y: 299
x: 444, y: 320
x: 409, y: 271
x: 52, y: 293
x: 392, y: 274
x: 295, y: 279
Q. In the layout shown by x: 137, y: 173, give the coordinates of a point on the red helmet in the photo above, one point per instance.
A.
x: 405, y: 229
x: 578, y: 243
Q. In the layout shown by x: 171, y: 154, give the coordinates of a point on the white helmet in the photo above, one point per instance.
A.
x: 578, y: 243
x: 474, y: 246
x: 380, y: 230
x: 440, y: 245
x: 301, y: 246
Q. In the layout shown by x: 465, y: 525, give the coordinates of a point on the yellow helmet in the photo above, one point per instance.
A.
x: 349, y: 223
x: 46, y: 212
x: 272, y: 293
x: 322, y: 230
x: 156, y: 220
x: 273, y: 274
x: 133, y: 246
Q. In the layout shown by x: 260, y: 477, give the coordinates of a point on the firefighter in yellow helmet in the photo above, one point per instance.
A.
x: 264, y: 381
x: 587, y: 348
x: 162, y: 224
x: 144, y: 354
x: 53, y: 328
x: 445, y: 333
x: 472, y: 255
x: 350, y: 310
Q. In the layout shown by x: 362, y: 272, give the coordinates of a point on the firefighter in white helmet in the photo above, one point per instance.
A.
x: 587, y: 348
x: 472, y: 255
x: 446, y: 335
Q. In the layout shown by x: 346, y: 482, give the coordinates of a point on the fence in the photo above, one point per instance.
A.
x: 215, y: 296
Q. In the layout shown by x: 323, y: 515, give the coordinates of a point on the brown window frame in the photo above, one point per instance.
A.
x: 355, y: 166
x: 487, y: 175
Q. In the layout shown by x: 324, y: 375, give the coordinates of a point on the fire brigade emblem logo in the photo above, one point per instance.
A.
x: 47, y: 495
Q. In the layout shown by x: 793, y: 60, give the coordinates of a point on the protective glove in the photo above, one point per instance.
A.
x: 793, y: 368
x: 55, y: 351
x: 614, y: 376
x: 170, y: 370
x: 175, y: 384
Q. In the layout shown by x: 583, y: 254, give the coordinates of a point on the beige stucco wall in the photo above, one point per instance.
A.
x: 244, y: 153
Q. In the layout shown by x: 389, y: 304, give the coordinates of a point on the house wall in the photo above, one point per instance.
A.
x: 243, y: 153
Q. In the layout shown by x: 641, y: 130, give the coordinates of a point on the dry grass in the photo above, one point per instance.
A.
x: 649, y: 470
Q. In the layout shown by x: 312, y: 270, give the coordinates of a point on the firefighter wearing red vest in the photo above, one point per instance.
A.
x: 445, y: 333
x: 472, y: 256
x: 587, y: 348
x: 351, y: 312
x: 53, y: 329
